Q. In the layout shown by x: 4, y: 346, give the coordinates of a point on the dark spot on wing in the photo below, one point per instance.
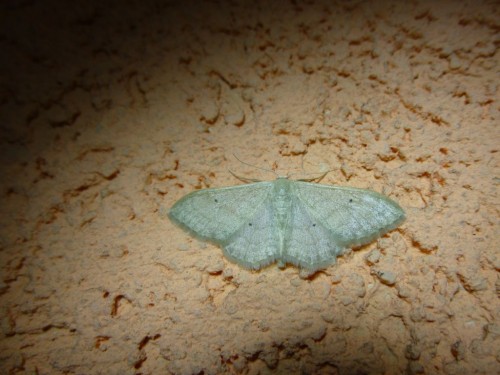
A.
x: 249, y: 224
x: 350, y: 200
x: 216, y: 201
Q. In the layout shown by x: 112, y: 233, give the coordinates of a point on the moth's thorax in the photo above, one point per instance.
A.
x: 282, y: 201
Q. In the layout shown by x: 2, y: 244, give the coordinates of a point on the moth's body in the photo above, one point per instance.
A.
x: 296, y: 222
x: 282, y: 204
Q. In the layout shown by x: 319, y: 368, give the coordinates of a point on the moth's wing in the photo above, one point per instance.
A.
x: 257, y: 242
x: 308, y: 243
x: 351, y: 216
x: 238, y: 218
x: 217, y: 214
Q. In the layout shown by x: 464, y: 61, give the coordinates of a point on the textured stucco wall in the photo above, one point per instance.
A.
x: 111, y: 112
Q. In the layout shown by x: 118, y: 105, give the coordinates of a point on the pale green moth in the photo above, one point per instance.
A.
x: 302, y: 223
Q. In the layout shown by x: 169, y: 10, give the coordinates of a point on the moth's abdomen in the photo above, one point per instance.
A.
x: 282, y: 204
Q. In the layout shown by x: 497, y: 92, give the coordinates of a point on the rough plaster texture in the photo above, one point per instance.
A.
x: 111, y: 112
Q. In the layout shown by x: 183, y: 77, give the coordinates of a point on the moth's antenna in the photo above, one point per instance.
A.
x: 317, y: 179
x: 253, y: 166
x: 244, y: 179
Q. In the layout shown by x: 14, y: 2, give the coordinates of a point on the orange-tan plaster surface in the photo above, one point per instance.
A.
x: 111, y: 111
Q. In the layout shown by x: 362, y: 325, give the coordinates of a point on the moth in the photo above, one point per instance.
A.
x: 286, y: 221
